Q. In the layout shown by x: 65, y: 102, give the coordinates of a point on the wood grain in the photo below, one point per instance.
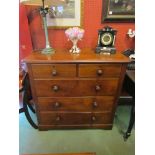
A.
x: 53, y: 70
x: 73, y: 91
x: 86, y: 56
x: 71, y: 118
x: 99, y: 70
x: 75, y: 88
x: 70, y: 104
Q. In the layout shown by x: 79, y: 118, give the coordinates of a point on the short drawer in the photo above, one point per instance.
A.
x: 104, y: 103
x: 99, y: 70
x: 73, y: 88
x: 48, y: 118
x: 53, y: 70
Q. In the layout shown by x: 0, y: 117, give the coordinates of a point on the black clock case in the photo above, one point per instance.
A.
x: 106, y: 48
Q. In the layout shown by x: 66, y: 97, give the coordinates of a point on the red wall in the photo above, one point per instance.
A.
x: 25, y: 45
x: 91, y: 24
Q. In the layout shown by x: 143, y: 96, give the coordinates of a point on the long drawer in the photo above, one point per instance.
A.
x: 99, y: 103
x: 49, y: 118
x: 53, y: 70
x: 73, y: 88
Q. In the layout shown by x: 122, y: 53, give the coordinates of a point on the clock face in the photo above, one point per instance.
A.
x: 106, y: 38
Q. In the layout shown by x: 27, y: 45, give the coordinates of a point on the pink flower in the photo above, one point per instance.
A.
x: 74, y: 33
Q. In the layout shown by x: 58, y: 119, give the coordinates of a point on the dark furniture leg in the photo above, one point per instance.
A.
x: 25, y: 106
x: 26, y: 98
x: 131, y: 123
x: 21, y: 110
x: 30, y: 106
x: 28, y: 103
x: 130, y: 88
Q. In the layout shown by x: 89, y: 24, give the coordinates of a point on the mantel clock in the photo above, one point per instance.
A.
x: 106, y: 40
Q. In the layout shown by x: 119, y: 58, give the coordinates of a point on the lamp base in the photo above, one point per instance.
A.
x: 48, y: 50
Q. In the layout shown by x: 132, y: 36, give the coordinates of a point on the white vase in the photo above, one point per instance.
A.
x: 74, y: 48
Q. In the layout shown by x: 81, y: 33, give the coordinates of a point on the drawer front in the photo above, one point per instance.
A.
x: 73, y: 88
x: 99, y: 70
x: 76, y: 104
x: 74, y: 118
x: 53, y: 70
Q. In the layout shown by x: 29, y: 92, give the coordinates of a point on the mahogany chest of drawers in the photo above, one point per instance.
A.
x: 75, y: 90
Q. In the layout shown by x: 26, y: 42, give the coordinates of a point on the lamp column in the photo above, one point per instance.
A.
x: 48, y: 49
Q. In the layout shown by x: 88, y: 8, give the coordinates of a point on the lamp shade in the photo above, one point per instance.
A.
x: 46, y: 2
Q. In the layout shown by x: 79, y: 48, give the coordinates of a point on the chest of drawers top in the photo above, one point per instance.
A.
x: 86, y: 56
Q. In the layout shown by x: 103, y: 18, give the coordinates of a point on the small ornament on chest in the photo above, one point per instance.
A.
x: 74, y: 34
x: 106, y: 41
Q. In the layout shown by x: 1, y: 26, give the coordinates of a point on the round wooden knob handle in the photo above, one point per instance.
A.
x: 93, y: 118
x: 98, y: 87
x: 57, y: 104
x: 95, y: 104
x: 54, y: 72
x: 58, y: 118
x: 55, y: 88
x: 99, y: 72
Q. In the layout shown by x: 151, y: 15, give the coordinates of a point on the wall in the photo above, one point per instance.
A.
x: 91, y: 24
x: 25, y: 45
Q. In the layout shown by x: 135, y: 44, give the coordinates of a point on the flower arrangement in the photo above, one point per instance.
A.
x: 74, y: 34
